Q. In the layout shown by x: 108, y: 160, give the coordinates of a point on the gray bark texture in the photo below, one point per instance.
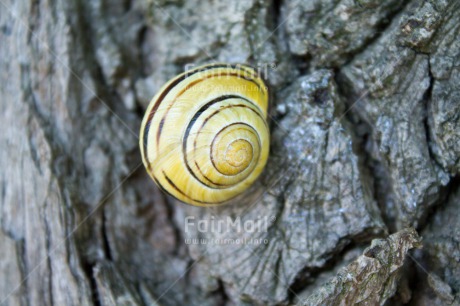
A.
x: 360, y: 199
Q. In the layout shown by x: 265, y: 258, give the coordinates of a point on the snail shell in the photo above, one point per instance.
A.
x: 204, y: 138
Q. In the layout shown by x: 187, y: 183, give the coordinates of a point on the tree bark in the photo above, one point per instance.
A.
x: 365, y: 154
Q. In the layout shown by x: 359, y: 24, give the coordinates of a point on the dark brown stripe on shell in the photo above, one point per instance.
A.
x: 199, y: 169
x: 189, y: 87
x: 163, y: 95
x: 170, y: 182
x: 215, y: 113
x: 187, y: 132
x: 195, y: 118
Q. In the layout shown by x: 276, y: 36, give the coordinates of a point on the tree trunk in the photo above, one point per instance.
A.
x: 365, y: 154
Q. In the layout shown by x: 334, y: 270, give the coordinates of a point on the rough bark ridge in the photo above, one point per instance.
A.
x: 365, y: 153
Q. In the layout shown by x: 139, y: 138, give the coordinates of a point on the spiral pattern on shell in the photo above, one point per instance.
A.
x: 204, y: 138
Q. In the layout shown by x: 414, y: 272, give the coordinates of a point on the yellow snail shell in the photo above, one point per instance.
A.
x: 204, y: 138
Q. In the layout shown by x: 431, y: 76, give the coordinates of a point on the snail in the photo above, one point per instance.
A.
x: 204, y: 138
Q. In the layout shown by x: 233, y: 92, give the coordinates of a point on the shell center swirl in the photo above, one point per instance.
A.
x: 235, y: 151
x: 239, y: 154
